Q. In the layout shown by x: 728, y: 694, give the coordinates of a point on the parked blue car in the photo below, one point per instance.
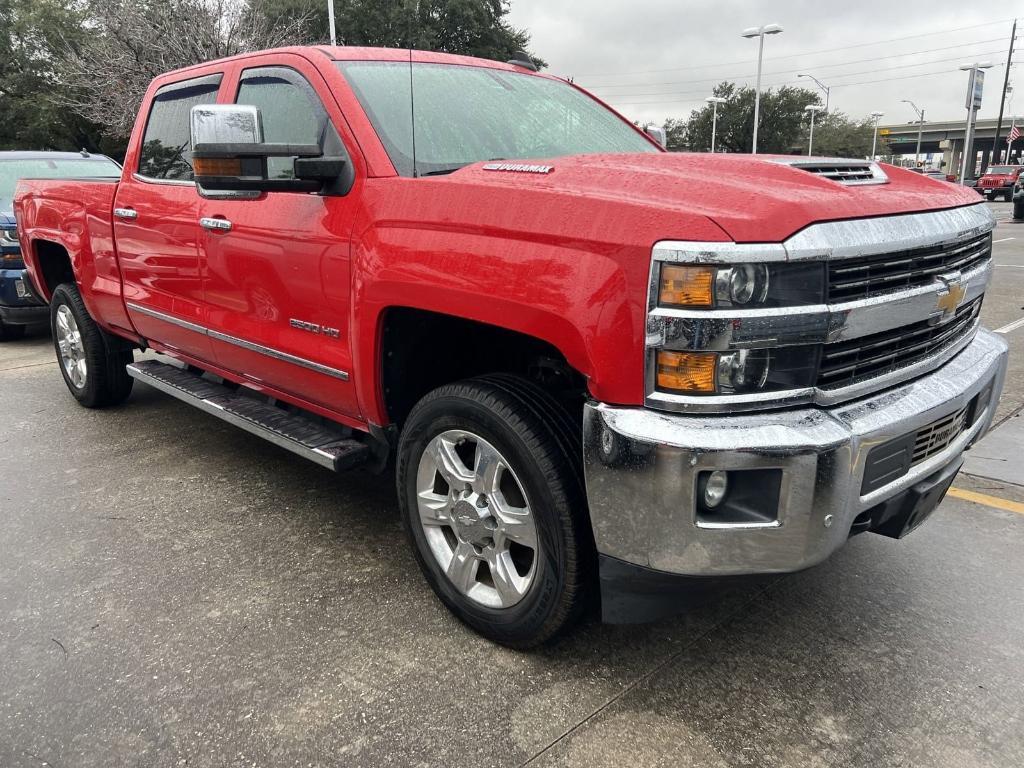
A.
x: 18, y: 307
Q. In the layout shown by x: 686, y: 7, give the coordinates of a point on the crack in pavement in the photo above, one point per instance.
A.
x: 647, y: 675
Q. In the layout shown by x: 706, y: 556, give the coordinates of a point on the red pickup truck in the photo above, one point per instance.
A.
x: 606, y: 373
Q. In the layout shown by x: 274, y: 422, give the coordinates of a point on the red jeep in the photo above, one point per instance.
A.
x: 998, y: 181
x: 606, y: 373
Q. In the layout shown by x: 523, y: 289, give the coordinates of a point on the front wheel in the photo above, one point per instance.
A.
x: 492, y: 499
x: 1018, y: 209
x: 91, y: 361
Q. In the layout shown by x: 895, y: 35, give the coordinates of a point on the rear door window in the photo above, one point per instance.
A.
x: 166, y: 152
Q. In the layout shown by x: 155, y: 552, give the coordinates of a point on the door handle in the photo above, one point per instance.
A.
x: 126, y: 213
x: 215, y: 225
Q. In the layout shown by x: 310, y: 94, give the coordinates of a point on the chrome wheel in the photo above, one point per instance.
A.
x: 476, y: 519
x: 69, y: 342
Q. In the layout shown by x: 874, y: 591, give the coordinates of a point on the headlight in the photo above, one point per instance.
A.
x: 740, y: 285
x: 9, y: 234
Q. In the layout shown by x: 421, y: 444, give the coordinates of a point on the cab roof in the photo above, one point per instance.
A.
x: 361, y: 53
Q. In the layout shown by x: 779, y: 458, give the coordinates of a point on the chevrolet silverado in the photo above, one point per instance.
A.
x: 607, y: 375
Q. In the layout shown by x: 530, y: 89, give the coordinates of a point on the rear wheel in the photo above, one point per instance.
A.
x: 492, y: 500
x: 92, y: 361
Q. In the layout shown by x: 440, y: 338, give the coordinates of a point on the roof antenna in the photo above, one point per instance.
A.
x: 414, y: 16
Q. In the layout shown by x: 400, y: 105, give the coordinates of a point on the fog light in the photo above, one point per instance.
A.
x: 19, y: 288
x: 715, y: 488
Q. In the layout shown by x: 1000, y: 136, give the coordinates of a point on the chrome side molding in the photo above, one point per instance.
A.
x: 277, y: 354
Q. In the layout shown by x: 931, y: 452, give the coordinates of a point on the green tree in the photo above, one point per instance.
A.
x: 837, y: 135
x: 782, y: 117
x: 468, y: 27
x: 33, y: 36
x: 675, y: 135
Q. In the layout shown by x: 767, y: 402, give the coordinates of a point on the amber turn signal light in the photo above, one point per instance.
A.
x: 687, y: 286
x: 217, y: 166
x: 686, y: 371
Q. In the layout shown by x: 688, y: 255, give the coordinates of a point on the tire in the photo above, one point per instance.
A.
x: 1018, y: 210
x: 91, y: 361
x: 1008, y: 197
x: 541, y: 447
x: 10, y: 332
x: 990, y: 196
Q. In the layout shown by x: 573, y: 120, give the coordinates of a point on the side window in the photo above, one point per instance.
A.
x: 292, y: 114
x: 167, y: 145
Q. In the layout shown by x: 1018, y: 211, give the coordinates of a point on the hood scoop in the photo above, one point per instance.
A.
x: 849, y: 172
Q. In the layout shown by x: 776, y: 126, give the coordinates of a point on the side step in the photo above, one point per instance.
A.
x: 328, y: 447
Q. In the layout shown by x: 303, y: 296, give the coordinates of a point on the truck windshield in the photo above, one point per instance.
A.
x: 53, y: 168
x: 468, y: 114
x: 1002, y: 169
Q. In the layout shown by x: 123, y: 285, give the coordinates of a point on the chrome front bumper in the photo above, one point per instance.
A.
x: 642, y: 503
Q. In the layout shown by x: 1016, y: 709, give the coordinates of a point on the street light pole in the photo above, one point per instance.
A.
x: 874, y: 138
x: 821, y: 85
x: 714, y: 101
x: 973, y: 103
x: 330, y: 22
x: 759, y: 32
x: 920, y: 127
x: 813, y: 109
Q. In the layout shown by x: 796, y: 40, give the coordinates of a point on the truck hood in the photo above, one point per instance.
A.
x: 6, y: 211
x: 753, y: 198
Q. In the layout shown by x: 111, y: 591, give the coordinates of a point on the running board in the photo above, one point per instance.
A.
x: 327, y: 447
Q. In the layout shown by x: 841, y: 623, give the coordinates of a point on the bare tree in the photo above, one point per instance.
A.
x: 128, y: 43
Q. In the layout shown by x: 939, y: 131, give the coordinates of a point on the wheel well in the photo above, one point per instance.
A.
x: 423, y: 350
x: 54, y: 265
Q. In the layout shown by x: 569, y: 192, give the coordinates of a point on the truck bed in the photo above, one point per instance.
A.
x: 76, y: 215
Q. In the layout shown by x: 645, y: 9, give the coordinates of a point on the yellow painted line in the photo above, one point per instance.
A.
x: 989, y: 501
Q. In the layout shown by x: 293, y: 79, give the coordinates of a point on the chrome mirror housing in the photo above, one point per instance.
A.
x: 657, y: 133
x: 226, y: 124
x: 229, y: 155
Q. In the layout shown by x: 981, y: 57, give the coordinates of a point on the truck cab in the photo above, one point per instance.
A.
x: 607, y: 375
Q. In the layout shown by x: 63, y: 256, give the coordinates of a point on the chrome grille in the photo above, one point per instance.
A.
x: 937, y: 436
x: 847, y: 362
x: 858, y: 278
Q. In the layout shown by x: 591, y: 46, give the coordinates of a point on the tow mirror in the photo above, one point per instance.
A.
x: 657, y: 133
x: 229, y: 154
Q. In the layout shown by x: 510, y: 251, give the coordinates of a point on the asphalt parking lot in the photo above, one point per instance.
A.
x: 174, y: 592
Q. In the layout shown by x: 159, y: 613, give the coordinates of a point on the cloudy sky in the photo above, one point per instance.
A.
x: 653, y: 59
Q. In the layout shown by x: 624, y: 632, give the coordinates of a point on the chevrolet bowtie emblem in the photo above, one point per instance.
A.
x: 952, y: 297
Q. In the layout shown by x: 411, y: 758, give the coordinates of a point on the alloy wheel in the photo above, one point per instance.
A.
x: 476, y: 519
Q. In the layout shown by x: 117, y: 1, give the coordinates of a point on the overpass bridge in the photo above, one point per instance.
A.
x: 946, y: 138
